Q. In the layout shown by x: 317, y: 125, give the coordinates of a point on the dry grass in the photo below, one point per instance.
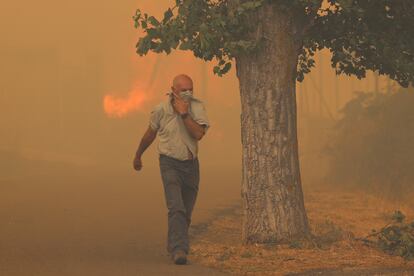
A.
x: 336, y: 218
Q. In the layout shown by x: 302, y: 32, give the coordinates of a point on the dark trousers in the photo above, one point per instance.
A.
x: 181, y: 180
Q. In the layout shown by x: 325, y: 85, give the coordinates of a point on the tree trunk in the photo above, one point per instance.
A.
x: 273, y: 206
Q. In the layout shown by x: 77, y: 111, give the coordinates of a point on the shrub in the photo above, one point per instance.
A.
x: 396, y: 238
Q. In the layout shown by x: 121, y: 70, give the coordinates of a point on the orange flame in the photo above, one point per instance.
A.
x: 119, y: 107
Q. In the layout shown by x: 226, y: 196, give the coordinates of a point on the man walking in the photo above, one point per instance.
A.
x: 180, y: 121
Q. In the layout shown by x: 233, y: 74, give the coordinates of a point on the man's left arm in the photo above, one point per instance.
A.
x: 196, y: 130
x: 197, y: 125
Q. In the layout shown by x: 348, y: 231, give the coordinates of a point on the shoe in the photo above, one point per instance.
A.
x: 180, y: 257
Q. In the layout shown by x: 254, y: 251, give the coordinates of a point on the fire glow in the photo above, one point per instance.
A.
x: 119, y: 107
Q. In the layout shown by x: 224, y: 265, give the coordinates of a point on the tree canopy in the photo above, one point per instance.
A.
x: 362, y: 35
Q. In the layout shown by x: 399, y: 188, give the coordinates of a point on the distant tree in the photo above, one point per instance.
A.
x: 371, y: 146
x: 273, y: 43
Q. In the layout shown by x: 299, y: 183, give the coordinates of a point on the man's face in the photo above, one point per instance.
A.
x: 182, y: 86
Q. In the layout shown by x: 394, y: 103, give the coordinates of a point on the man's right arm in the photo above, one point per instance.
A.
x: 149, y: 135
x: 146, y: 141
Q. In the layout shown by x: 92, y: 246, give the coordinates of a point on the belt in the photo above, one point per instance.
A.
x: 185, y: 160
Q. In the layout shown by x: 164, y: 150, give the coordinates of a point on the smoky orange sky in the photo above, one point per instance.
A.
x: 74, y: 89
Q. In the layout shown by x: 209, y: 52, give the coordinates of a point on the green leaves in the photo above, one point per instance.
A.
x: 398, y: 216
x: 186, y: 45
x: 167, y: 15
x: 362, y: 35
x: 136, y: 18
x: 143, y: 45
x: 200, y: 26
x: 153, y: 21
x: 221, y: 71
x: 368, y: 35
x: 249, y: 5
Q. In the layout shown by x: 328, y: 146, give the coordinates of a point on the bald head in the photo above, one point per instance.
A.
x: 182, y: 82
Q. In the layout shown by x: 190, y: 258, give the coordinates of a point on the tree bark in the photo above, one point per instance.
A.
x: 273, y: 205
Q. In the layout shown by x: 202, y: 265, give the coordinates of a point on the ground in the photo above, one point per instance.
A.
x: 337, y: 218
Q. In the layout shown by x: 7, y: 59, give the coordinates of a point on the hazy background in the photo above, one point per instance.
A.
x: 75, y: 101
x: 60, y: 60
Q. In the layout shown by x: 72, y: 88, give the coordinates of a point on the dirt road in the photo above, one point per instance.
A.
x: 72, y: 221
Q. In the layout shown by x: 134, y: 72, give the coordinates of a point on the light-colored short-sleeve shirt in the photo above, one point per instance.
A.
x: 174, y: 138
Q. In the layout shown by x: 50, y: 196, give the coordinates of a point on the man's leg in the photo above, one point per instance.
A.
x: 190, y: 191
x: 177, y: 222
